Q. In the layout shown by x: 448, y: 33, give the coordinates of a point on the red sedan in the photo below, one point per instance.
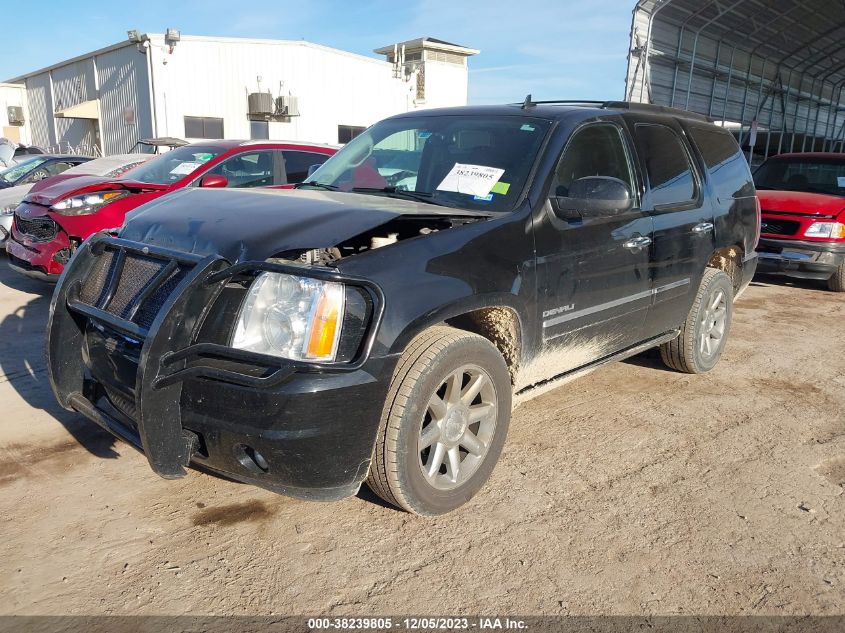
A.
x: 50, y: 223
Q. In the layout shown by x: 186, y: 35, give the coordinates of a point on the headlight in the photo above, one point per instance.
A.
x: 835, y: 230
x: 87, y: 203
x: 293, y: 317
x: 9, y: 210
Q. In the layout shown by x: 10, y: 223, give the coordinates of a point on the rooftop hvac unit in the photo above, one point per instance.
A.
x: 287, y: 106
x: 15, y: 115
x: 260, y: 105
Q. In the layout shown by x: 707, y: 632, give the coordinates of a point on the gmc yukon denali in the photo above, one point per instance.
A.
x: 378, y: 323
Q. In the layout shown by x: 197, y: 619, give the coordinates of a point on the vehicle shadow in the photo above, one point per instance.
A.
x: 763, y: 280
x: 22, y: 362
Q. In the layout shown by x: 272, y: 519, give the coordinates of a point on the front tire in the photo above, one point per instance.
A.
x: 836, y: 283
x: 705, y: 332
x: 444, y: 422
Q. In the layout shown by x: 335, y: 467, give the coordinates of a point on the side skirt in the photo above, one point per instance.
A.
x: 527, y: 393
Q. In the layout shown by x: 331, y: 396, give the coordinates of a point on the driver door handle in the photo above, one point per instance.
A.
x: 637, y: 242
x: 702, y: 227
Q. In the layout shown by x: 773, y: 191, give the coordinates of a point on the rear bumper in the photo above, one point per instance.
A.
x: 749, y: 267
x: 800, y: 259
x: 294, y: 428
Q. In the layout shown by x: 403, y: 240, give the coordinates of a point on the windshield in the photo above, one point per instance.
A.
x: 173, y: 165
x: 468, y: 161
x: 815, y: 175
x: 15, y: 172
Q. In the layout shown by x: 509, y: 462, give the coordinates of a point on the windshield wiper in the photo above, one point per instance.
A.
x: 318, y: 185
x: 393, y: 192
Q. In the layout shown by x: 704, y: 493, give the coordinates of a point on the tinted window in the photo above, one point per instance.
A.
x: 729, y: 172
x: 250, y: 169
x: 667, y: 165
x: 297, y: 164
x: 596, y: 150
x: 203, y: 127
x: 813, y: 174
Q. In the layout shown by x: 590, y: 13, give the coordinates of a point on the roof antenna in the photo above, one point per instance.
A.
x: 527, y: 103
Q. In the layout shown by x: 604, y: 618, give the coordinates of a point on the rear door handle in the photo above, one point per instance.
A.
x: 637, y: 242
x: 702, y: 227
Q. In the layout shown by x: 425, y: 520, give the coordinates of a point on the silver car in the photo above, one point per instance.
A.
x: 108, y: 166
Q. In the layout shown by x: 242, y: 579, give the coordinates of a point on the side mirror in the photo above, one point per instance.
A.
x: 314, y: 168
x: 593, y: 197
x: 214, y: 181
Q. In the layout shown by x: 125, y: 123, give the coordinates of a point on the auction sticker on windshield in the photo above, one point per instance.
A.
x: 473, y: 180
x: 185, y: 168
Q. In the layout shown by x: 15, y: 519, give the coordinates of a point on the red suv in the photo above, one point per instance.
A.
x: 51, y: 223
x: 802, y: 197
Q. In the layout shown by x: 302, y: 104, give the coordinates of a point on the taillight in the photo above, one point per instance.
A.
x: 759, y: 221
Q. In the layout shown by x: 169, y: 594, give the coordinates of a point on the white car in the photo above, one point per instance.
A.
x: 109, y: 166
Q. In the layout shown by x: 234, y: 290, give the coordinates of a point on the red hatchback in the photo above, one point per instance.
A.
x: 51, y: 222
x: 802, y: 232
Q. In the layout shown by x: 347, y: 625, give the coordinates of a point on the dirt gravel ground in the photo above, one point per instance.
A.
x: 634, y: 490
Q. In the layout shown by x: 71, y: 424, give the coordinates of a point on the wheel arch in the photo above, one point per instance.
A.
x: 493, y: 317
x: 728, y: 259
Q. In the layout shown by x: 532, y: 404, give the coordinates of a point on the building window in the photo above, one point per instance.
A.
x: 346, y: 133
x: 203, y: 127
x: 259, y: 130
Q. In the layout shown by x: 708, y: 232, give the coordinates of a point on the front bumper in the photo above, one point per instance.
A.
x: 38, y: 259
x: 800, y: 259
x: 295, y: 428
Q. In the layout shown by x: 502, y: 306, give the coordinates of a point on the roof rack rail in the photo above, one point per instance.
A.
x: 619, y: 105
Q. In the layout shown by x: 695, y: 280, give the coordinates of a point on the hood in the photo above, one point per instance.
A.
x: 13, y: 195
x: 257, y: 224
x: 800, y: 202
x: 54, y: 190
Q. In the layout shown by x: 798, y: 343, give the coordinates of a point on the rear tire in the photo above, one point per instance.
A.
x: 705, y: 332
x: 836, y: 283
x: 444, y: 422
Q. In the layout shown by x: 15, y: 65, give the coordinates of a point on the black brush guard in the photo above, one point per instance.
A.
x: 169, y: 354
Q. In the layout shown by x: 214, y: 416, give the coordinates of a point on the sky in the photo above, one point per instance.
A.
x: 553, y: 49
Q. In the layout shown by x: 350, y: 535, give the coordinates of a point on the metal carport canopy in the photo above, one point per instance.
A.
x: 772, y: 70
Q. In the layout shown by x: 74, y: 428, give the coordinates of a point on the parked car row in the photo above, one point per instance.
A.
x: 55, y: 217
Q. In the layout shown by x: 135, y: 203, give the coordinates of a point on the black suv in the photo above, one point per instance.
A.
x: 378, y: 323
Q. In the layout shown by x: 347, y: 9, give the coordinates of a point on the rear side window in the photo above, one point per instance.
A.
x: 667, y: 164
x: 298, y: 163
x: 728, y: 170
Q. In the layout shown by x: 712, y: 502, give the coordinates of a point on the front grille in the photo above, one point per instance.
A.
x: 39, y: 229
x: 122, y: 403
x: 136, y: 277
x: 771, y: 226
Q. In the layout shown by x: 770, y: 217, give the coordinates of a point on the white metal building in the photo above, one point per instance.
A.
x: 211, y: 87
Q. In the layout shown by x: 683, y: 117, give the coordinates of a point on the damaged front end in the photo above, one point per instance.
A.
x: 139, y: 341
